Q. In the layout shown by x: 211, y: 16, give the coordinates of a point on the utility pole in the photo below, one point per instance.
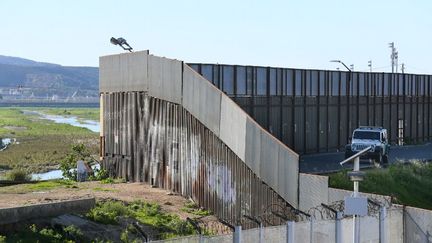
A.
x: 403, y: 67
x: 393, y: 57
x: 370, y: 65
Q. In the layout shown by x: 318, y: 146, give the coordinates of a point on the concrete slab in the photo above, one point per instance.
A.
x: 269, y: 158
x: 165, y: 78
x: 313, y: 191
x: 253, y: 146
x: 233, y: 126
x: 123, y: 72
x: 201, y: 99
x: 288, y: 175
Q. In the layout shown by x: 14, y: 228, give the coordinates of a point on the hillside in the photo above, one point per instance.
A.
x: 42, y: 79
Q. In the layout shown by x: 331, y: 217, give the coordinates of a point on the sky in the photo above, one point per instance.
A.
x: 297, y: 34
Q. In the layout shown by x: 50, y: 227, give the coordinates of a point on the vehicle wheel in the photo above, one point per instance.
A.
x: 385, y: 159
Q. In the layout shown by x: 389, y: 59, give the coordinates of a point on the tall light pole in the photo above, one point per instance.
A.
x: 339, y: 61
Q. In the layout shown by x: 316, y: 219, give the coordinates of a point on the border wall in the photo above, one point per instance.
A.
x: 164, y: 124
x: 314, y: 111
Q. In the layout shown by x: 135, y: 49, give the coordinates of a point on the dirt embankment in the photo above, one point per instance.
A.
x: 20, y: 195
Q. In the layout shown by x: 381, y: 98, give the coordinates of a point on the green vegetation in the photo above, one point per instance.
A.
x: 33, y: 234
x: 42, y: 143
x: 38, y: 186
x: 168, y: 225
x: 108, y: 212
x: 193, y: 208
x: 18, y: 175
x: 407, y: 184
x: 69, y: 163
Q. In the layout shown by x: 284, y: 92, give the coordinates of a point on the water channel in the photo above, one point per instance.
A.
x: 93, y: 126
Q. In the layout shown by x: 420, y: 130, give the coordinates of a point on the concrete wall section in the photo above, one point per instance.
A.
x: 272, y: 161
x: 17, y: 214
x: 165, y: 78
x: 313, y: 191
x: 339, y: 194
x: 233, y: 126
x: 201, y: 99
x: 395, y: 229
x: 123, y: 72
x: 422, y: 221
x: 269, y: 159
x: 253, y: 146
x: 288, y: 170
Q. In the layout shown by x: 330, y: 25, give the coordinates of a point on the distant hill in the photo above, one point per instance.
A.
x: 47, y: 78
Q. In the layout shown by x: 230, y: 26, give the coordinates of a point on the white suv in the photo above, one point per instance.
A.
x: 363, y: 137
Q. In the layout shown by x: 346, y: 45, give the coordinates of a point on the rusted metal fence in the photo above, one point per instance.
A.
x: 151, y: 140
x: 315, y: 111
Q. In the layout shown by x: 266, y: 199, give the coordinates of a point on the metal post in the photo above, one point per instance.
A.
x: 338, y: 227
x: 356, y: 220
x: 237, y: 234
x: 311, y: 232
x: 382, y: 224
x: 261, y: 234
x: 290, y: 232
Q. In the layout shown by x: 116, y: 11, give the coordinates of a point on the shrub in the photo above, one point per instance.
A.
x: 108, y: 212
x: 72, y: 232
x: 2, y: 239
x: 18, y: 175
x: 69, y: 163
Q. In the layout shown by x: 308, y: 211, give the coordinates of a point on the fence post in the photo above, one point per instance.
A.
x: 237, y: 234
x: 311, y: 232
x: 338, y: 235
x: 261, y: 234
x: 290, y: 232
x: 382, y: 224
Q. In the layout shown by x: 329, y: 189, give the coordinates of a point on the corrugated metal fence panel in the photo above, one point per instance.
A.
x: 159, y: 142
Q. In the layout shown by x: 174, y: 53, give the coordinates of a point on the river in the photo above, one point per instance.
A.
x: 93, y: 126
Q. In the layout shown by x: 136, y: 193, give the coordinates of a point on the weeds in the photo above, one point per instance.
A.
x: 168, y: 225
x: 193, y: 208
x: 18, y: 175
x: 408, y: 184
x: 108, y: 212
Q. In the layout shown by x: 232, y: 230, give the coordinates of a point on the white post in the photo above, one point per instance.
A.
x: 311, y: 233
x: 356, y: 220
x: 338, y: 233
x: 290, y: 232
x: 237, y: 234
x: 261, y: 233
x: 382, y: 224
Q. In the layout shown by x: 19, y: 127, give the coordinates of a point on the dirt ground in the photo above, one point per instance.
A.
x: 19, y: 195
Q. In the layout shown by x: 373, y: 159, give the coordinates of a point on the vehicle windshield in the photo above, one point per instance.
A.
x: 366, y: 135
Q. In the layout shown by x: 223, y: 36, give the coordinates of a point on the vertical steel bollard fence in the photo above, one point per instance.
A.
x: 290, y: 232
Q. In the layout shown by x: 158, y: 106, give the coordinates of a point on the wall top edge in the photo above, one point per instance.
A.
x: 146, y: 52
